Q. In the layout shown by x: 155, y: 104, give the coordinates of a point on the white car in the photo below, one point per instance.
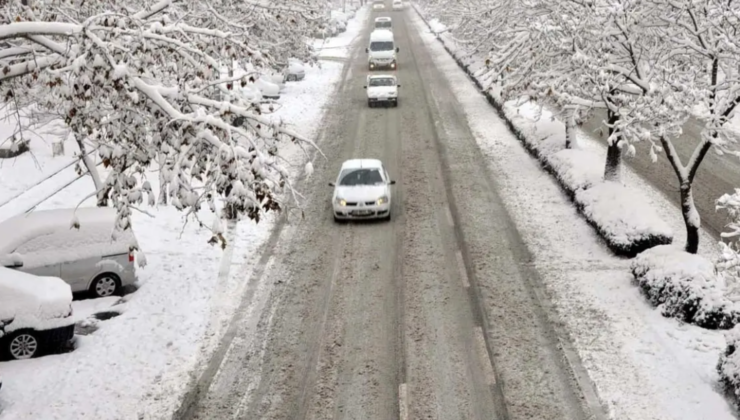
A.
x: 35, y: 314
x: 295, y: 70
x: 383, y: 22
x: 382, y: 90
x: 268, y: 89
x: 362, y: 191
x: 379, y: 5
x: 397, y: 5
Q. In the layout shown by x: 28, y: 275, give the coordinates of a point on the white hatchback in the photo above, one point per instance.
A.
x: 382, y: 90
x: 397, y: 5
x: 362, y: 191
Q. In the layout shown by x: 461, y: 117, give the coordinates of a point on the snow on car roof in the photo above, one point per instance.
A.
x: 26, y: 294
x: 362, y: 163
x: 383, y: 19
x: 22, y: 228
x: 381, y: 34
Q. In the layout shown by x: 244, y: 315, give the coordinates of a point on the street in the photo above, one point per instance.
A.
x: 434, y: 315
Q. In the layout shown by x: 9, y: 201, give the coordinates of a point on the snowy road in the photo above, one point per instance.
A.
x: 435, y: 315
x: 717, y: 174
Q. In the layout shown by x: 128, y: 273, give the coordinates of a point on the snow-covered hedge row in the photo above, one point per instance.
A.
x: 684, y: 286
x: 625, y: 221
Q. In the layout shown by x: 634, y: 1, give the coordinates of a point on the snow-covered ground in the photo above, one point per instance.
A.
x: 643, y: 365
x: 139, y: 363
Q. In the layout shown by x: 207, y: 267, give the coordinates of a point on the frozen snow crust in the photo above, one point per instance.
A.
x: 626, y: 223
x: 684, y: 286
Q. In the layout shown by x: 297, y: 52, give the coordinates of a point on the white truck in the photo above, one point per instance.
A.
x: 383, y: 22
x: 382, y: 50
x: 382, y: 90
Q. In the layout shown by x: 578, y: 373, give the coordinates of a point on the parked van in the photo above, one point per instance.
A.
x: 383, y: 23
x: 382, y: 50
x: 35, y: 314
x: 88, y: 258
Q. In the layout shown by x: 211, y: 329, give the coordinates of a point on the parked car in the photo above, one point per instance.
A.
x: 87, y: 257
x: 362, y: 191
x: 295, y: 70
x: 268, y: 89
x: 35, y: 314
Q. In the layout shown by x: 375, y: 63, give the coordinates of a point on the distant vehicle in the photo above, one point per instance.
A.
x: 87, y: 258
x: 397, y: 5
x: 383, y: 23
x: 35, y: 314
x: 382, y: 90
x: 379, y: 5
x: 382, y: 50
x: 362, y: 191
x: 295, y: 70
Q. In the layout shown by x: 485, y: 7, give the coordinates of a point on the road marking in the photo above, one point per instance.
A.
x: 480, y: 345
x: 403, y: 403
x: 461, y: 268
x: 448, y: 213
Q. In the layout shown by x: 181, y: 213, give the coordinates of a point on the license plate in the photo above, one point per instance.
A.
x: 362, y: 212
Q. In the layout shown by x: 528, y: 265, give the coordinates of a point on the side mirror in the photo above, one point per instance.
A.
x: 367, y: 50
x: 398, y: 85
x: 331, y: 184
x: 11, y: 261
x: 364, y: 87
x: 392, y: 182
x: 398, y: 49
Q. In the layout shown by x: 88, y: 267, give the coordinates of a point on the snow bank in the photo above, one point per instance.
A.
x: 622, y: 216
x: 684, y: 286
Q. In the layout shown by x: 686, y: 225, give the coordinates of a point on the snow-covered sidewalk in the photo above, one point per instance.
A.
x: 139, y: 364
x: 644, y: 366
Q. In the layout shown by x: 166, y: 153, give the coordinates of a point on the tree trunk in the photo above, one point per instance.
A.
x: 570, y: 128
x: 613, y: 167
x: 92, y: 169
x: 691, y: 218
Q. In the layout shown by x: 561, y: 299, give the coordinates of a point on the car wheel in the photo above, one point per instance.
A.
x: 22, y: 344
x: 338, y: 220
x: 387, y: 218
x: 105, y: 285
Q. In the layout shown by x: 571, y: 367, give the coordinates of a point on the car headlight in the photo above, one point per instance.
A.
x: 382, y: 200
x: 342, y: 202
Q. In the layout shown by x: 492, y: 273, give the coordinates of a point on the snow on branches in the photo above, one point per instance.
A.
x: 146, y: 83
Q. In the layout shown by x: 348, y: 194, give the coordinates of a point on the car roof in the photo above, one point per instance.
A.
x: 362, y: 163
x: 381, y: 34
x: 380, y: 76
x: 383, y: 19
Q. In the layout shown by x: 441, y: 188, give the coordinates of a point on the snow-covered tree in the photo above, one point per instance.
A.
x: 144, y: 83
x: 702, y: 71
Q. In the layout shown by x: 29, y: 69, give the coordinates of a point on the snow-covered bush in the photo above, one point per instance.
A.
x: 729, y: 365
x: 684, y: 286
x: 141, y: 81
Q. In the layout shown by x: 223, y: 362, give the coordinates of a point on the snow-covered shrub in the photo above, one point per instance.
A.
x: 684, y: 286
x: 729, y: 365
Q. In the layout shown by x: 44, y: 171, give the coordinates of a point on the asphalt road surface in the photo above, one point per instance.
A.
x: 717, y: 174
x: 433, y: 315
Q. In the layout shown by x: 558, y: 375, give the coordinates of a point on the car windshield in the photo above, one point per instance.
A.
x: 381, y: 46
x: 355, y: 177
x: 382, y: 81
x: 384, y: 24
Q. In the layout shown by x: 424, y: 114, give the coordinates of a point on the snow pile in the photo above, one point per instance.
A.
x: 684, y: 286
x: 621, y: 216
x: 436, y: 26
x: 32, y: 301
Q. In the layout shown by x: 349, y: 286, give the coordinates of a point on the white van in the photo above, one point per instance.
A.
x: 35, y: 314
x: 88, y: 258
x: 382, y: 50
